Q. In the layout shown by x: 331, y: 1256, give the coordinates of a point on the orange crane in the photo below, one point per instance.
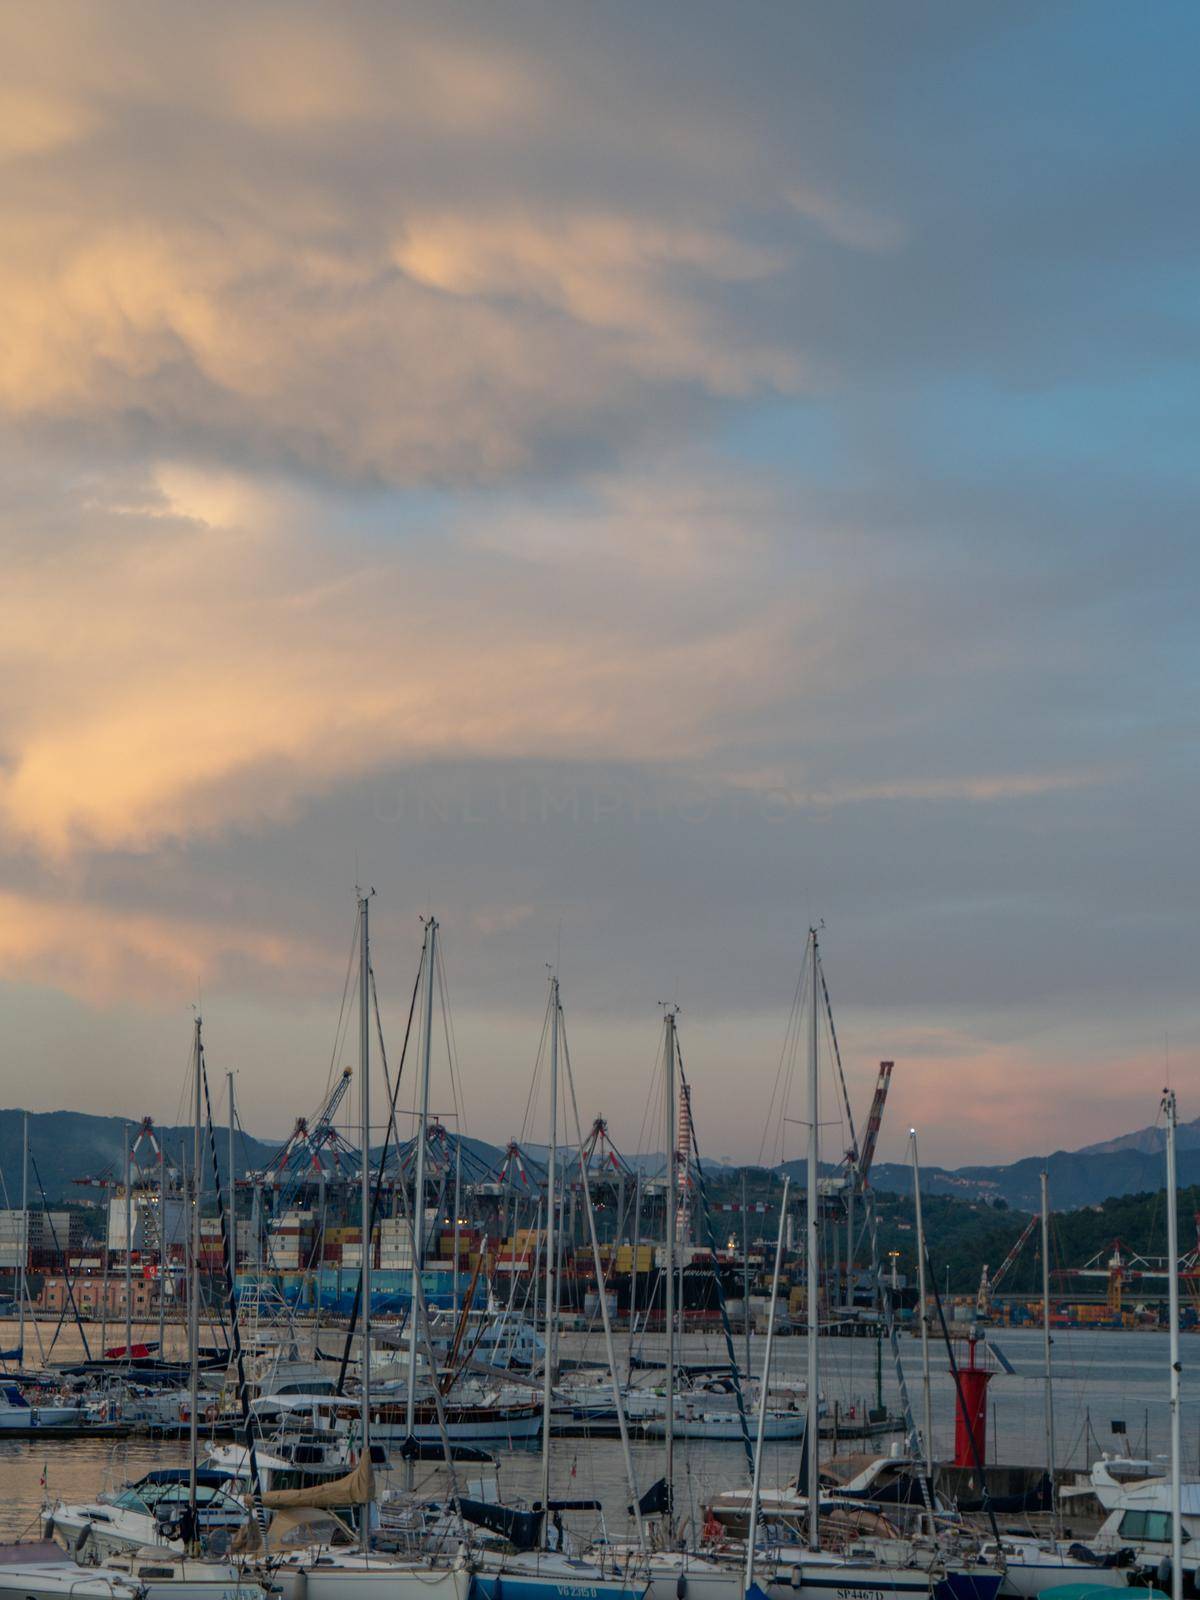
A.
x: 988, y: 1287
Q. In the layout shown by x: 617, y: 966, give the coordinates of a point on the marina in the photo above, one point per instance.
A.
x: 555, y: 1359
x: 597, y: 880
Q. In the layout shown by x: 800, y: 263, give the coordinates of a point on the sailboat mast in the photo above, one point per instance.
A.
x: 1169, y: 1109
x: 128, y: 1254
x: 194, y: 1284
x: 746, y: 1274
x: 1047, y: 1341
x: 601, y: 1286
x: 551, y: 1266
x: 922, y: 1307
x: 233, y: 1191
x: 25, y: 1233
x: 418, y: 1210
x: 669, y: 1280
x: 812, y: 1425
x: 364, y: 1090
x: 457, y: 1209
x: 760, y: 1438
x: 636, y: 1242
x: 164, y: 1251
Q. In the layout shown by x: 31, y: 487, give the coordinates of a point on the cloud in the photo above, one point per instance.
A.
x: 676, y: 440
x: 982, y: 788
x: 202, y: 662
x: 207, y: 656
x: 235, y: 336
x: 294, y: 295
x: 846, y: 223
x: 100, y: 953
x: 32, y: 123
x: 1010, y: 1093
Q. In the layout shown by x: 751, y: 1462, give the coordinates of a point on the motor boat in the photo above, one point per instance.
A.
x: 144, y: 1513
x: 41, y: 1572
x: 18, y: 1415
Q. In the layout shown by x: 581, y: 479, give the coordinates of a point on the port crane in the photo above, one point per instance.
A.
x: 1122, y: 1268
x: 858, y: 1159
x: 518, y: 1167
x: 314, y: 1150
x: 988, y: 1287
x: 866, y: 1156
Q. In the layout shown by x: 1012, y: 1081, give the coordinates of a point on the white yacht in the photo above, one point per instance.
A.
x: 43, y: 1573
x: 475, y: 1416
x: 724, y: 1424
x: 492, y: 1338
x: 1140, y: 1521
x: 1034, y: 1565
x: 144, y: 1514
x: 18, y: 1415
x: 160, y: 1574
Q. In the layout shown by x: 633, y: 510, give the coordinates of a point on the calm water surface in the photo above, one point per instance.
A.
x: 1099, y: 1377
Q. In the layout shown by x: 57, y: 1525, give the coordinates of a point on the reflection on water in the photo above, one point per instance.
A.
x: 1099, y: 1377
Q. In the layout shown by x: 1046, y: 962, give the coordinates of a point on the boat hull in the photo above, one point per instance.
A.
x: 64, y: 1580
x: 552, y: 1581
x: 61, y: 1580
x: 42, y: 1419
x: 808, y: 1580
x: 467, y: 1424
x: 378, y: 1579
x: 726, y: 1429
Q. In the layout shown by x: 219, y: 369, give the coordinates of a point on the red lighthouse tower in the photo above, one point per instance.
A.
x: 970, y: 1421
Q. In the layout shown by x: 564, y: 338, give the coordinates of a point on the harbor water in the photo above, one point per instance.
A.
x: 1100, y: 1378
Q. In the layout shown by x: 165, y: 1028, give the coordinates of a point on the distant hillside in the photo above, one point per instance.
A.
x: 962, y: 1236
x: 1129, y: 1165
x: 65, y: 1145
x: 1149, y: 1141
x: 1077, y: 1177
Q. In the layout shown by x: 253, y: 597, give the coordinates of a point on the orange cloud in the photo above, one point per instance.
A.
x: 611, y: 273
x: 292, y: 291
x: 975, y: 1097
x: 98, y: 953
x: 203, y: 661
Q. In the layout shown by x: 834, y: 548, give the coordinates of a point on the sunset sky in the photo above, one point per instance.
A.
x: 633, y: 480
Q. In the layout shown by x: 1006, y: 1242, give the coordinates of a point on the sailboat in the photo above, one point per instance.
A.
x: 317, y: 1569
x: 1153, y: 1522
x: 543, y: 1570
x: 673, y: 1571
x: 150, y: 1537
x: 799, y: 1567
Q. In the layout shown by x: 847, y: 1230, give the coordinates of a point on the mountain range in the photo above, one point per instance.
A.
x: 66, y: 1146
x: 73, y: 1155
x: 1076, y: 1177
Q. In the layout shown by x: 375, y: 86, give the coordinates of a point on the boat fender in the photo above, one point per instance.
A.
x: 797, y: 1578
x: 681, y: 1587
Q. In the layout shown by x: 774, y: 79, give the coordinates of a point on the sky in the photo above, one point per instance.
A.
x: 633, y: 482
